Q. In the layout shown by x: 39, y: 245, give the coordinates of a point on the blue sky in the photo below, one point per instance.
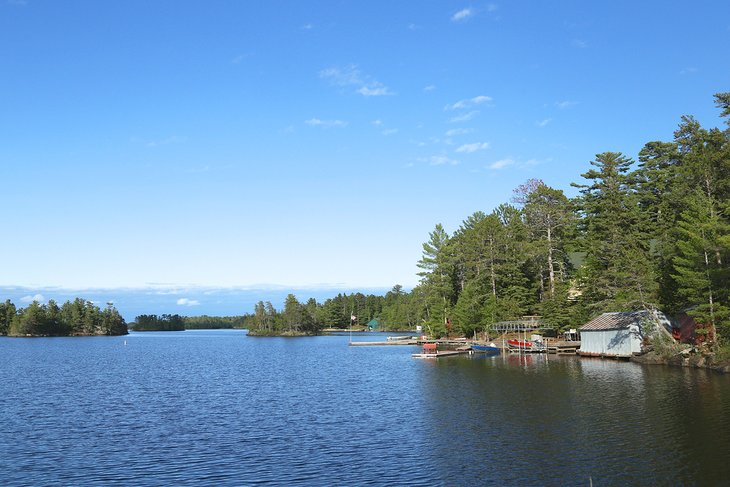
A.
x: 314, y: 145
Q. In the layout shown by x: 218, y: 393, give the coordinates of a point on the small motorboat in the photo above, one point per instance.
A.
x: 530, y: 346
x: 482, y: 348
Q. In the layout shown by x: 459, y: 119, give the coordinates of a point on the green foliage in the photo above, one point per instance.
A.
x: 618, y: 272
x: 163, y: 322
x: 213, y: 322
x: 665, y: 346
x: 656, y: 234
x: 78, y: 317
x: 7, y: 315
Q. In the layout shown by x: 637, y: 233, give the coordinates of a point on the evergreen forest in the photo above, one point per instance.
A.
x: 165, y: 322
x: 652, y: 233
x: 77, y: 318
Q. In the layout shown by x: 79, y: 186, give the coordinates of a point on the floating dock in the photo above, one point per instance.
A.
x: 440, y: 353
x: 563, y: 348
x: 462, y: 346
x: 375, y: 344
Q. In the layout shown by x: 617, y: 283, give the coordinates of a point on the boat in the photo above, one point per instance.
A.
x: 481, y: 348
x: 430, y: 350
x: 531, y: 346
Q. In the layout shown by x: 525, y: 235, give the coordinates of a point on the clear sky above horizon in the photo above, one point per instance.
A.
x: 225, y: 143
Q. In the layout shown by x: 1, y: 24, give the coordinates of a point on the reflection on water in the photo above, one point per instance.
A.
x: 546, y: 420
x: 217, y: 407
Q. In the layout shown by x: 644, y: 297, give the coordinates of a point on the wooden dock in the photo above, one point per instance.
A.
x: 382, y: 343
x: 563, y: 347
x: 456, y: 347
x: 415, y: 341
x: 441, y: 353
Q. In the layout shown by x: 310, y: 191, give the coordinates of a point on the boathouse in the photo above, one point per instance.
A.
x: 620, y: 334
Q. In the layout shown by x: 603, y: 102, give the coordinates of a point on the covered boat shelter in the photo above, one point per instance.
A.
x: 620, y: 334
x: 529, y: 323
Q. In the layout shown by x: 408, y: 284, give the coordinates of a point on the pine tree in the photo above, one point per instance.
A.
x: 618, y: 273
x: 437, y: 279
x: 702, y: 279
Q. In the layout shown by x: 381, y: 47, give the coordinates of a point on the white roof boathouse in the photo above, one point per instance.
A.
x: 620, y: 335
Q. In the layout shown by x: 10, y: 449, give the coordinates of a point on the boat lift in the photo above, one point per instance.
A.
x: 523, y: 326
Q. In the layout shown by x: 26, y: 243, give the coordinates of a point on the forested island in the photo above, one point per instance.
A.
x: 74, y: 318
x: 81, y: 317
x: 652, y: 234
x: 212, y: 322
x: 167, y: 322
x: 648, y: 235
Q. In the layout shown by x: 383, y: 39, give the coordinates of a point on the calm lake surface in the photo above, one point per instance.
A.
x: 217, y: 407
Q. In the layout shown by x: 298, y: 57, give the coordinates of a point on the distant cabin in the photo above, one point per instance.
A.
x: 620, y: 334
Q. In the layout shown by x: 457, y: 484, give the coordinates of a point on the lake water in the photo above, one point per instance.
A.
x: 217, y: 407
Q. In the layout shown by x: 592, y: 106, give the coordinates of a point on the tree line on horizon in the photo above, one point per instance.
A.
x: 175, y: 322
x: 311, y: 317
x: 652, y: 235
x: 81, y: 317
x: 78, y: 318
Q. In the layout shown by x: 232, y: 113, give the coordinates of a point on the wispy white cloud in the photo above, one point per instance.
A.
x: 18, y: 3
x: 462, y: 15
x: 188, y: 302
x: 376, y: 89
x: 565, y: 104
x: 476, y: 146
x: 459, y: 131
x: 316, y: 122
x: 492, y: 7
x: 502, y: 163
x: 308, y: 27
x: 429, y: 88
x: 543, y: 123
x: 464, y: 117
x: 440, y: 160
x: 690, y: 70
x: 389, y: 131
x: 510, y: 161
x: 535, y: 162
x: 351, y: 76
x: 377, y: 123
x: 36, y: 297
x: 469, y: 102
x: 579, y: 43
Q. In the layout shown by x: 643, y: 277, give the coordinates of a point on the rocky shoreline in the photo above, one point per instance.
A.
x: 698, y: 358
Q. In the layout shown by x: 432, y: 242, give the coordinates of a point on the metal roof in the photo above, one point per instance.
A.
x: 617, y: 321
x: 533, y: 323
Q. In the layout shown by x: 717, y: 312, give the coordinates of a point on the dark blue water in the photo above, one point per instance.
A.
x: 217, y: 407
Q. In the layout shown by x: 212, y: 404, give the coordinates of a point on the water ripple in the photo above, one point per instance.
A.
x: 217, y: 408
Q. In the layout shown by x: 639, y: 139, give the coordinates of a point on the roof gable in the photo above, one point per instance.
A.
x: 618, y: 321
